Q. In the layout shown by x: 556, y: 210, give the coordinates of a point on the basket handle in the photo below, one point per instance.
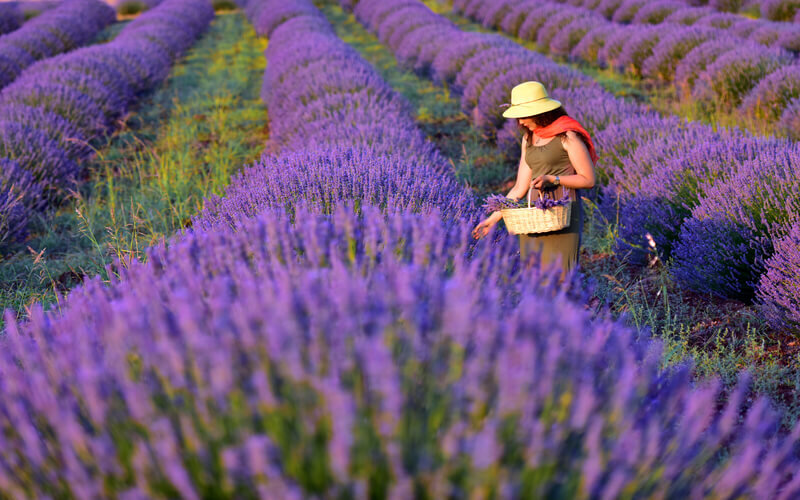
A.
x: 529, y: 195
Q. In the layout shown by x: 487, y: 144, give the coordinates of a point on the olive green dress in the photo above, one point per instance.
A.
x: 552, y: 159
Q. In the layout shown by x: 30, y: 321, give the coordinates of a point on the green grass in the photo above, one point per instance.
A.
x: 721, y: 337
x: 182, y: 144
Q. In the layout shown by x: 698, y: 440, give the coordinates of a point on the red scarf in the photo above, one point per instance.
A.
x: 564, y: 124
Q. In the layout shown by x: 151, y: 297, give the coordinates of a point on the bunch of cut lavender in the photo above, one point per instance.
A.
x: 545, y: 202
x: 498, y: 202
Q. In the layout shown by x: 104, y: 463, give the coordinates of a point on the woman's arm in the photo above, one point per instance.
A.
x: 581, y: 161
x: 519, y: 190
x: 524, y: 176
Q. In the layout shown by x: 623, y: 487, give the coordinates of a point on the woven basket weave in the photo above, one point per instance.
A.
x: 536, y: 220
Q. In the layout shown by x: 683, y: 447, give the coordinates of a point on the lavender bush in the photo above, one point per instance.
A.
x: 73, y: 100
x: 778, y: 288
x: 20, y: 197
x: 11, y: 17
x: 39, y: 155
x: 720, y: 20
x: 672, y: 47
x: 727, y: 80
x: 639, y: 47
x: 723, y: 247
x: 627, y: 10
x: 789, y: 122
x: 607, y: 8
x: 535, y: 19
x: 571, y: 35
x: 688, y: 15
x: 694, y: 64
x: 609, y: 54
x: 656, y: 13
x: 553, y: 25
x: 71, y: 24
x: 512, y: 21
x: 591, y: 45
x: 772, y: 95
x: 727, y: 5
x: 779, y: 10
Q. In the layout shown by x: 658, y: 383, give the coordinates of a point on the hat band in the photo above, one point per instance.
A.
x: 505, y: 105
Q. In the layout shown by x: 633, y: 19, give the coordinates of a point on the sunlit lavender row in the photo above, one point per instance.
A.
x: 346, y: 342
x: 724, y: 61
x: 715, y: 202
x: 775, y: 10
x: 56, y: 109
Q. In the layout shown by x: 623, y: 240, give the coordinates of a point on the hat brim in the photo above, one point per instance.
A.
x: 526, y: 110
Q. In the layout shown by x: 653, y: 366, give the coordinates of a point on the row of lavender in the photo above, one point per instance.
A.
x: 52, y: 113
x: 636, y: 13
x: 718, y: 203
x: 11, y: 17
x: 351, y: 340
x: 776, y: 10
x: 70, y: 25
x: 644, y: 11
x: 720, y: 60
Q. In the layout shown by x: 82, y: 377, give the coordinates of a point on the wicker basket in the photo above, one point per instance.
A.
x: 536, y: 220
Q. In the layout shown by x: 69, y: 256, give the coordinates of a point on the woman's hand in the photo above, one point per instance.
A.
x: 486, y: 225
x: 543, y: 181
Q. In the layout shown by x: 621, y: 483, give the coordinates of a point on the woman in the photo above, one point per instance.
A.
x: 557, y: 153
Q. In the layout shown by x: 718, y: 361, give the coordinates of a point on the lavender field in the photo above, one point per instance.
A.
x: 237, y: 255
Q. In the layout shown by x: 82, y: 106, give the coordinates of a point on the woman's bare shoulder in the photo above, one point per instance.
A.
x: 570, y: 136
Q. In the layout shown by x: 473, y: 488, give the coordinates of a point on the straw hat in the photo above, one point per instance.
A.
x: 528, y: 99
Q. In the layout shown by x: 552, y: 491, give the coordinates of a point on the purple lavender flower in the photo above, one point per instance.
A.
x: 656, y: 13
x: 779, y: 10
x: 20, y: 197
x: 722, y: 20
x: 789, y: 123
x: 607, y: 8
x: 696, y: 60
x: 640, y: 46
x: 671, y: 49
x: 615, y: 43
x: 688, y: 15
x: 727, y: 5
x: 535, y: 19
x: 11, y: 17
x: 71, y: 24
x: 497, y: 202
x: 571, y: 35
x: 724, y: 245
x: 778, y: 288
x: 591, y: 45
x: 732, y: 75
x: 773, y: 93
x: 627, y: 10
x: 512, y: 21
x: 554, y: 24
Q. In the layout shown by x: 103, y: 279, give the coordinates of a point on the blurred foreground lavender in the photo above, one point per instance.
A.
x: 348, y: 339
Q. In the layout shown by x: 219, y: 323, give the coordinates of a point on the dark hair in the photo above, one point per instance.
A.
x: 543, y: 120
